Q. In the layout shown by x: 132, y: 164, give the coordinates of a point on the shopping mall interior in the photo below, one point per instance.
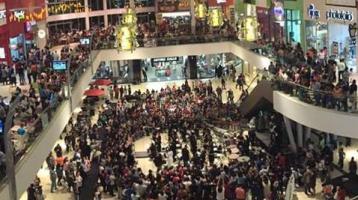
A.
x: 178, y: 100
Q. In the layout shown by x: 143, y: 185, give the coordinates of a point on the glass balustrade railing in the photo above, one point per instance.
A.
x: 35, y: 125
x: 28, y: 124
x: 168, y: 40
x: 334, y: 98
x: 76, y: 74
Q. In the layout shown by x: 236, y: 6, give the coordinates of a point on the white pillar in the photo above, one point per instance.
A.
x: 192, y: 14
x: 41, y: 42
x: 290, y: 134
x: 356, y: 69
x: 87, y: 21
x: 299, y: 134
x: 105, y: 17
x: 131, y: 4
x: 308, y: 133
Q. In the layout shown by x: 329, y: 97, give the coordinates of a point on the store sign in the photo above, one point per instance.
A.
x: 339, y: 15
x: 312, y: 12
x: 2, y: 14
x: 2, y: 53
x: 323, y: 13
x: 19, y: 15
x: 41, y: 34
x: 167, y: 59
x: 278, y: 10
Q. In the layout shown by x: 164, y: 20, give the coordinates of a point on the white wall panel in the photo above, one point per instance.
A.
x: 326, y: 120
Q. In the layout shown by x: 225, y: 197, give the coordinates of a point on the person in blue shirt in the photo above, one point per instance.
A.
x: 21, y: 131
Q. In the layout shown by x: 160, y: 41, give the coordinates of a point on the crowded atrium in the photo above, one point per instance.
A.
x: 178, y: 100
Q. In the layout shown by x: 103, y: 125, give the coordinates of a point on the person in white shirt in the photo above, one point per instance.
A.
x: 341, y: 65
x: 162, y: 196
x: 220, y: 193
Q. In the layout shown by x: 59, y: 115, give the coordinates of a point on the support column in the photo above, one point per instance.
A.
x: 308, y: 133
x: 135, y: 71
x: 300, y: 135
x: 41, y: 42
x: 131, y: 4
x: 192, y: 67
x: 192, y: 14
x: 87, y: 21
x: 105, y: 17
x: 290, y: 134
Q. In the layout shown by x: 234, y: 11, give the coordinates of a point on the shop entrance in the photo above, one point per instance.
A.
x: 173, y: 68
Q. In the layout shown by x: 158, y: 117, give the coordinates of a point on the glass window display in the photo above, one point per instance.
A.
x: 316, y: 34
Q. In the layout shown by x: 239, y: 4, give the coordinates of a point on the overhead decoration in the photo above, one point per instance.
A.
x: 127, y: 31
x: 216, y: 18
x: 65, y: 7
x: 129, y: 18
x: 200, y: 11
x: 126, y: 38
x: 22, y: 15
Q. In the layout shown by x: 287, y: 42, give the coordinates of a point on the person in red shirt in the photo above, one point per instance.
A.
x: 240, y: 193
x: 341, y: 193
x: 281, y: 160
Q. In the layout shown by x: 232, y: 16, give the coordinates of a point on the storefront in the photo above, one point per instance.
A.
x: 4, y: 41
x: 164, y: 69
x: 19, y: 23
x: 327, y: 26
x: 293, y: 25
x: 17, y: 47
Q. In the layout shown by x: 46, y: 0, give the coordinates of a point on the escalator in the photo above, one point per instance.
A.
x: 260, y: 98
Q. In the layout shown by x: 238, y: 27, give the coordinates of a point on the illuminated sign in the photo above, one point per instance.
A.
x: 313, y: 13
x: 339, y: 15
x: 278, y: 10
x: 2, y: 53
x: 2, y: 14
x: 167, y: 59
x: 41, y: 33
x: 19, y: 15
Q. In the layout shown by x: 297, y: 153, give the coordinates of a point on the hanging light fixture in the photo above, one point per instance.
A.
x: 126, y: 38
x: 216, y: 18
x: 127, y: 32
x: 129, y: 18
x: 200, y: 11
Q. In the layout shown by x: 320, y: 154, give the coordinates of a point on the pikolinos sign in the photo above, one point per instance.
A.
x: 339, y: 15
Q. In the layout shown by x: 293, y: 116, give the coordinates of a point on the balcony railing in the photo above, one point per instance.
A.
x: 169, y: 40
x: 35, y: 127
x: 340, y: 101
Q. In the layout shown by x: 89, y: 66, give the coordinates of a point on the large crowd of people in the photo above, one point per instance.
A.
x: 40, y: 88
x: 314, y: 76
x: 193, y: 163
